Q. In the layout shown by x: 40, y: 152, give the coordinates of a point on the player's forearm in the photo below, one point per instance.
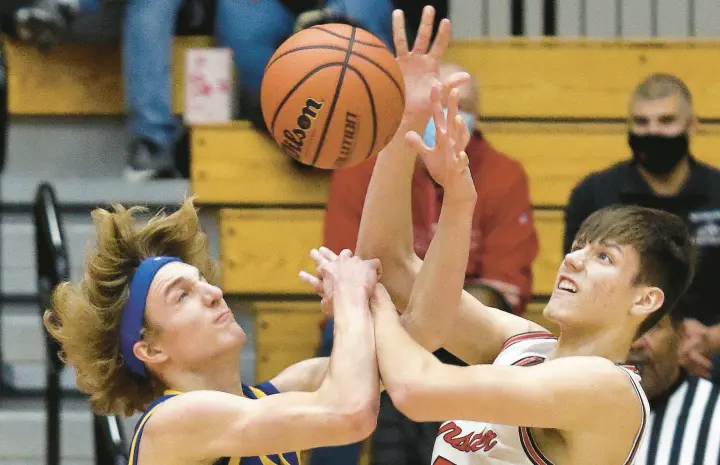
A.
x: 436, y: 294
x: 352, y: 376
x: 402, y: 362
x: 386, y: 225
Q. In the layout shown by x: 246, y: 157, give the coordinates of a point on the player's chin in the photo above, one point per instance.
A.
x: 558, y: 311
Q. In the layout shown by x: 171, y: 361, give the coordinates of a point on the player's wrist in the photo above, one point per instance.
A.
x: 415, y: 121
x: 349, y: 294
x: 459, y: 193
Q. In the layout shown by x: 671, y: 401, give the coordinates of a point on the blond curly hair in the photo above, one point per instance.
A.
x: 85, y: 317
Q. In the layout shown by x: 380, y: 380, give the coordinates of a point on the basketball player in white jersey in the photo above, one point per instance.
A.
x: 527, y: 397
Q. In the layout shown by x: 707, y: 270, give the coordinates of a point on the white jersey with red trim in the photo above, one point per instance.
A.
x: 461, y: 442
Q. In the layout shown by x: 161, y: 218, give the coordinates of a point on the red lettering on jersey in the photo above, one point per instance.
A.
x: 442, y: 461
x: 471, y: 442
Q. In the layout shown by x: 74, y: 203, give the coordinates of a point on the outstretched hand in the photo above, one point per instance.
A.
x: 447, y: 161
x: 345, y: 271
x: 420, y: 66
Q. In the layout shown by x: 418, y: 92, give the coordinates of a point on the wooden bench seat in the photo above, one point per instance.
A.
x: 263, y: 250
x: 583, y: 78
x: 234, y: 164
x: 75, y: 79
x: 519, y: 77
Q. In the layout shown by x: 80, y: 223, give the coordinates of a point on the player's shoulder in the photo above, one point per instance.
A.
x: 615, y: 378
x: 528, y: 347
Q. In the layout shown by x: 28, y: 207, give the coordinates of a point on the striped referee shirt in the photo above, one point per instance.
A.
x: 684, y: 426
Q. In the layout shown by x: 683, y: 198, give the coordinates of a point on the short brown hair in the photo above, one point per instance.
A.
x: 663, y: 244
x: 662, y: 85
x: 85, y: 317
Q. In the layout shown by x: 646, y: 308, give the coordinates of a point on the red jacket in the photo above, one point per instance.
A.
x: 503, y: 241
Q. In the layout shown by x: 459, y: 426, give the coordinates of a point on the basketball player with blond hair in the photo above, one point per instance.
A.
x: 147, y: 330
x: 527, y: 397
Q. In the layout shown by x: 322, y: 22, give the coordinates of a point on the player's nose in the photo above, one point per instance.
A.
x: 574, y: 260
x: 212, y: 295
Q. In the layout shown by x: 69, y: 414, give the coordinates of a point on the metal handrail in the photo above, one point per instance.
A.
x: 53, y: 267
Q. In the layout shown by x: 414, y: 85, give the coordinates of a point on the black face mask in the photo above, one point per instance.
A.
x: 658, y: 154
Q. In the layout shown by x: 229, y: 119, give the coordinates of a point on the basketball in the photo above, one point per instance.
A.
x: 332, y: 96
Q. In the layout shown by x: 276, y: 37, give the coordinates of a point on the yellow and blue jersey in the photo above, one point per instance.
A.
x: 251, y: 392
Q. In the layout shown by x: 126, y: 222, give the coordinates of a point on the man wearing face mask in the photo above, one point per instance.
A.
x: 499, y: 273
x: 663, y: 174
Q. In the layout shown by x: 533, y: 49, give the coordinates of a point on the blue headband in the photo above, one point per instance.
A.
x: 133, y: 314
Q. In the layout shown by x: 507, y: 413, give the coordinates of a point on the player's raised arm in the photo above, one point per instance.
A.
x: 386, y: 225
x: 439, y: 284
x: 342, y: 410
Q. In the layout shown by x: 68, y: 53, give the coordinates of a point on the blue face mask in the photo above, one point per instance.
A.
x: 429, y: 136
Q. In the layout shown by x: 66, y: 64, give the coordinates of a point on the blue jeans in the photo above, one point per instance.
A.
x: 340, y: 455
x: 253, y: 29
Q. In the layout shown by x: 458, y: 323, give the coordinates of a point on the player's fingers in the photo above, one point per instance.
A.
x: 441, y: 122
x: 462, y: 133
x: 345, y: 253
x: 376, y: 264
x: 415, y: 142
x: 327, y: 254
x: 455, y: 80
x: 318, y: 257
x: 399, y: 34
x: 422, y: 40
x: 452, y: 109
x: 315, y: 282
x: 442, y: 38
x: 462, y: 161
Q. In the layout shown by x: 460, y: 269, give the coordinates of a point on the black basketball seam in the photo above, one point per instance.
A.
x: 335, y: 98
x: 295, y: 87
x: 340, y: 36
x: 372, y: 108
x: 305, y: 47
x: 335, y: 47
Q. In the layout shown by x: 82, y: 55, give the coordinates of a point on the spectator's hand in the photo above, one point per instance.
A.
x: 696, y: 349
x: 447, y: 161
x: 420, y: 67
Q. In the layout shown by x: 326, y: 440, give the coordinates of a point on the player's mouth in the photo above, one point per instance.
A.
x: 568, y: 285
x: 223, y: 316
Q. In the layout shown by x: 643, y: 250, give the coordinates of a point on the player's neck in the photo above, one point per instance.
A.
x: 612, y: 344
x: 213, y: 377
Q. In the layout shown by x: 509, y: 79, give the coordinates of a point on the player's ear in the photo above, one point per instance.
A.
x: 149, y: 353
x: 647, y: 300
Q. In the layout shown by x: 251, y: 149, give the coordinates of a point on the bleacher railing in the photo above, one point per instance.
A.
x: 3, y: 107
x: 53, y: 267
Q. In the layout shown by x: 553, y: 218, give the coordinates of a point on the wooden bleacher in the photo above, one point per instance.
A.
x: 79, y: 79
x: 558, y: 106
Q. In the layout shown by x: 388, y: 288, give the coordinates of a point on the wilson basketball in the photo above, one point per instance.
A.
x: 332, y: 96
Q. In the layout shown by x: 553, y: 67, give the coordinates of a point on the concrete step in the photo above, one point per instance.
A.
x: 23, y: 431
x: 18, y: 189
x: 63, y: 461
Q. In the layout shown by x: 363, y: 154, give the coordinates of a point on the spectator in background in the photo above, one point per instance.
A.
x: 504, y: 245
x: 684, y: 409
x: 663, y: 174
x: 253, y: 29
